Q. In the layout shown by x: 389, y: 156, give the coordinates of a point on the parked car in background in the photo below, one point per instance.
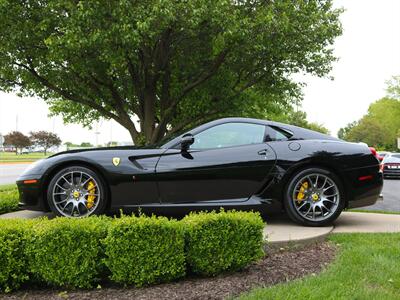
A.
x: 391, y: 165
x: 382, y: 154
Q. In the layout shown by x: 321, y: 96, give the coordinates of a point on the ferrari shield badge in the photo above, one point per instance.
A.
x: 116, y: 161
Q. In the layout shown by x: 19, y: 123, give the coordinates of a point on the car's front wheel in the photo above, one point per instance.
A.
x: 314, y: 197
x: 76, y: 192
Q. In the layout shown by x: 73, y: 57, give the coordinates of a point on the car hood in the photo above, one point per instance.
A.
x: 105, y: 149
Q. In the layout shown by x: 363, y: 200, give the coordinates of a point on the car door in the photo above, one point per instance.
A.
x: 229, y: 161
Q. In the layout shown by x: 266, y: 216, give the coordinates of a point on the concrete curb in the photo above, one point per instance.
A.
x: 274, y: 246
x: 26, y: 214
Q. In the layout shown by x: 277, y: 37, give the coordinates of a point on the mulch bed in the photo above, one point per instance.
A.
x: 281, y: 266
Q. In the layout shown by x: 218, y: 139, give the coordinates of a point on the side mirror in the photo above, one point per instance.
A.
x: 186, y: 141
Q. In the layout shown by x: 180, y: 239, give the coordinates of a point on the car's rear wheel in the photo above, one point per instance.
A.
x: 76, y: 192
x: 314, y: 197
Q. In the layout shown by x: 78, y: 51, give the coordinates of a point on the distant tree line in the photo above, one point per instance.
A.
x: 41, y: 139
x: 380, y: 127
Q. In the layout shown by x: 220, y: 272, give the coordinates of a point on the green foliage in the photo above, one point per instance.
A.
x: 68, y: 252
x: 143, y: 250
x: 297, y: 118
x: 379, y: 127
x: 393, y: 88
x: 367, y: 267
x: 86, y: 145
x: 13, y: 237
x: 218, y: 242
x: 343, y: 132
x: 171, y: 63
x: 9, y: 199
x: 140, y: 250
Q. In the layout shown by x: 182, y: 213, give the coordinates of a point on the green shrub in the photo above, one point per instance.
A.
x: 13, y: 263
x: 68, y: 252
x: 217, y: 242
x: 144, y: 250
x: 9, y: 199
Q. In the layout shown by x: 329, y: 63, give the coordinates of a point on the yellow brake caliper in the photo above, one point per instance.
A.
x: 91, y: 197
x: 301, y: 195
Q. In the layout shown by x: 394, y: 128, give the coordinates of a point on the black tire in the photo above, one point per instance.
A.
x: 101, y: 200
x: 289, y: 203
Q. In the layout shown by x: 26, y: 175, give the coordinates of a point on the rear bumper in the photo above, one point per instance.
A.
x: 391, y: 173
x: 362, y: 193
x: 366, y: 201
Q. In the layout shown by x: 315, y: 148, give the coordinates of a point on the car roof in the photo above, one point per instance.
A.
x: 295, y: 131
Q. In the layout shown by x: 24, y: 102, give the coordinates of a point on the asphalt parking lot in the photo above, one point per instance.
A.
x: 391, y: 187
x: 391, y: 197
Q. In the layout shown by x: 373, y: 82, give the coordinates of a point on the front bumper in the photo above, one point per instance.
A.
x: 30, y: 194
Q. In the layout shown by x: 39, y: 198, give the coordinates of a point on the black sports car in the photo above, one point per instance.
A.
x: 233, y: 163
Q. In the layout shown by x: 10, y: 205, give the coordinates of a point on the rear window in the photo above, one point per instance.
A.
x: 394, y: 158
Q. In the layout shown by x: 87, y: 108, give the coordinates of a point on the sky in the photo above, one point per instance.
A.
x: 368, y: 52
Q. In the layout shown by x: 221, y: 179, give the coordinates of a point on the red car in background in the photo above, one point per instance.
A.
x: 391, y: 165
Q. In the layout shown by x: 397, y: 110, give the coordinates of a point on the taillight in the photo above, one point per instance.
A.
x: 373, y: 151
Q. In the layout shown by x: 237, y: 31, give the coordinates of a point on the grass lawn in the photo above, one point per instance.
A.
x: 8, y: 198
x: 367, y: 267
x: 7, y: 157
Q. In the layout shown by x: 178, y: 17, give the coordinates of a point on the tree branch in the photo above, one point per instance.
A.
x: 205, y: 75
x: 74, y: 98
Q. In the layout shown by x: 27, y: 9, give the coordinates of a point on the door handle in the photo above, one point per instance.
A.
x: 263, y: 152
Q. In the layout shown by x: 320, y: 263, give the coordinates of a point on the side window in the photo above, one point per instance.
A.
x: 276, y: 134
x: 228, y: 135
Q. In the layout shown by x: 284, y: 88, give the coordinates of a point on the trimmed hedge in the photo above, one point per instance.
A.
x: 13, y: 237
x: 68, y: 252
x: 142, y: 250
x: 224, y: 241
x: 129, y: 250
x: 9, y: 199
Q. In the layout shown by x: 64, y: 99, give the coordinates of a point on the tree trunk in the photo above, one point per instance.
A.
x: 149, y: 114
x: 45, y: 151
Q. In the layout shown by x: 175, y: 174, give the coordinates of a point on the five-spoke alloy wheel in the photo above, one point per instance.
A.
x: 76, y: 192
x: 314, y: 197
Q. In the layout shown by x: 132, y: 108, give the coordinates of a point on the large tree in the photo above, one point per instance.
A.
x: 171, y: 64
x: 45, y: 139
